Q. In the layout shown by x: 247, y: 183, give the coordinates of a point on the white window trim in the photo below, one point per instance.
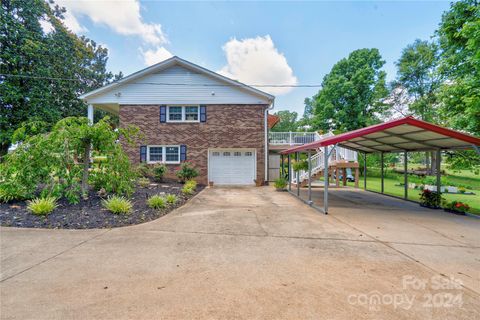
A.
x: 164, y: 154
x: 183, y: 114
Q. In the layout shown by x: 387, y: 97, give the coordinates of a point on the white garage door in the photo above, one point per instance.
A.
x: 232, y: 166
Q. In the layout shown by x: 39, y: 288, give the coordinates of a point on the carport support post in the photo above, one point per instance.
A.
x: 381, y: 171
x: 364, y: 171
x: 282, y: 171
x: 439, y: 172
x: 405, y: 175
x: 297, y: 158
x: 289, y: 167
x: 325, y: 179
x: 309, y: 177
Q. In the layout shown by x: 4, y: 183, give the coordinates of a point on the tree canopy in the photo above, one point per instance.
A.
x: 43, y: 69
x: 417, y: 72
x: 352, y: 93
x: 459, y: 36
x: 288, y: 121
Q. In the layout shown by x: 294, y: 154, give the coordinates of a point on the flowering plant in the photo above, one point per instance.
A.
x: 430, y: 199
x: 457, y: 206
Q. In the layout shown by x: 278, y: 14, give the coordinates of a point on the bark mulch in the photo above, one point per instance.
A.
x: 89, y: 214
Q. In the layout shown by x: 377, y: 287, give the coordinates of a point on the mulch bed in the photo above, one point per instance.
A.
x: 89, y: 214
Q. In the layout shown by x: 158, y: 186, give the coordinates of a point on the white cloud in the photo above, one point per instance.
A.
x: 123, y: 17
x: 46, y: 25
x: 257, y: 61
x: 72, y: 23
x: 152, y: 56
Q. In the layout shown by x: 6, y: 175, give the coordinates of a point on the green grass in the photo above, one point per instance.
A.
x: 392, y: 188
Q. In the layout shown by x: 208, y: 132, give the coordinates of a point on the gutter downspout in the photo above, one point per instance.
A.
x: 266, y: 137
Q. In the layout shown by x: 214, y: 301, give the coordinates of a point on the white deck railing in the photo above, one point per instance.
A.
x: 292, y: 138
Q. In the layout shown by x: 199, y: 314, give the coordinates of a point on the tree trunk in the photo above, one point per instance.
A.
x: 427, y: 162
x: 86, y: 165
x: 433, y: 166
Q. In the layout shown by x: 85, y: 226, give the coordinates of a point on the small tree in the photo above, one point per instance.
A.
x: 58, y: 162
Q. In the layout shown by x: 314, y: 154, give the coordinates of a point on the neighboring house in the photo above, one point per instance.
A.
x: 187, y: 112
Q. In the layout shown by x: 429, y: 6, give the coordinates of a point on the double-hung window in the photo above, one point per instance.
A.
x: 183, y: 114
x: 163, y: 154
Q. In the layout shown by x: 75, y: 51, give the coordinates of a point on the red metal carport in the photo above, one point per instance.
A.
x: 402, y: 135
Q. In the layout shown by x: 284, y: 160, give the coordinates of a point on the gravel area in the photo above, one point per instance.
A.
x: 89, y: 214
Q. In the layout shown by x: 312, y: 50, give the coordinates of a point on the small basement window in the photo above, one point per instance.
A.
x: 183, y: 113
x: 163, y: 154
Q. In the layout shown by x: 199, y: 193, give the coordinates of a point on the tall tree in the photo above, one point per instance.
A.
x: 352, y: 93
x: 417, y: 72
x: 459, y: 35
x: 43, y: 69
x: 288, y: 121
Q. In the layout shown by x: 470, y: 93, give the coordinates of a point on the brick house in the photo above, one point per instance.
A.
x: 188, y: 113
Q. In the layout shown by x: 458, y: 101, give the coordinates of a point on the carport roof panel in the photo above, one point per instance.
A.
x: 398, y: 135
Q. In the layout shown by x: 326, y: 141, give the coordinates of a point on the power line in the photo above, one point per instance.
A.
x: 175, y: 84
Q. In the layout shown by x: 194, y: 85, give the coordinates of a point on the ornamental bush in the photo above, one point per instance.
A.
x: 157, y: 202
x: 42, y: 206
x: 186, y: 172
x: 192, y: 184
x: 159, y: 171
x: 117, y: 205
x: 280, y: 184
x: 171, y: 198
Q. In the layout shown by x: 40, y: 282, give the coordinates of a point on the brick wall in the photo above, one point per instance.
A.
x: 227, y: 126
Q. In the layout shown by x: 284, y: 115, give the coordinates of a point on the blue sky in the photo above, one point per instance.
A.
x: 246, y: 40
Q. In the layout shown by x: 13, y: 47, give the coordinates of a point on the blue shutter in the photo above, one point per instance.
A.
x: 143, y: 153
x: 203, y: 113
x: 163, y: 114
x: 183, y: 152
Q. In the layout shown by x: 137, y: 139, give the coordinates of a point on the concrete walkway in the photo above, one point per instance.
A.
x: 250, y: 253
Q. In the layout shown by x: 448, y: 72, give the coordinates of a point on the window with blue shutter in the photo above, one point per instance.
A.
x: 203, y: 113
x: 163, y: 114
x: 143, y: 153
x: 183, y: 152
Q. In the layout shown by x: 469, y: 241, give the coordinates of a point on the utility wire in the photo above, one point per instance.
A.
x: 175, y: 84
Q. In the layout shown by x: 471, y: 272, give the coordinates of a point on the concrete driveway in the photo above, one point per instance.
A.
x: 251, y: 253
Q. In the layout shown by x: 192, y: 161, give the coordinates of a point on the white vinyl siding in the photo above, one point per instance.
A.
x: 163, y: 154
x: 146, y: 90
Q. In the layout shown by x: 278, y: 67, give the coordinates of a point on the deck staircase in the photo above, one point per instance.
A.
x: 284, y: 140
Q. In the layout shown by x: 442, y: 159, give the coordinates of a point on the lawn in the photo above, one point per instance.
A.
x: 392, y: 187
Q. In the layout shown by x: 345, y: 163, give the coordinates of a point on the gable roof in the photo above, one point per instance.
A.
x: 272, y: 120
x: 407, y: 133
x: 181, y: 62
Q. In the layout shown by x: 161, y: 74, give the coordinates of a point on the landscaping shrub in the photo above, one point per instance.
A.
x: 144, y: 170
x: 59, y: 161
x: 186, y: 172
x: 143, y: 182
x: 159, y: 171
x: 430, y: 199
x: 117, y: 204
x: 157, y: 202
x: 192, y: 184
x: 280, y: 183
x: 171, y: 198
x: 187, y: 190
x: 42, y: 206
